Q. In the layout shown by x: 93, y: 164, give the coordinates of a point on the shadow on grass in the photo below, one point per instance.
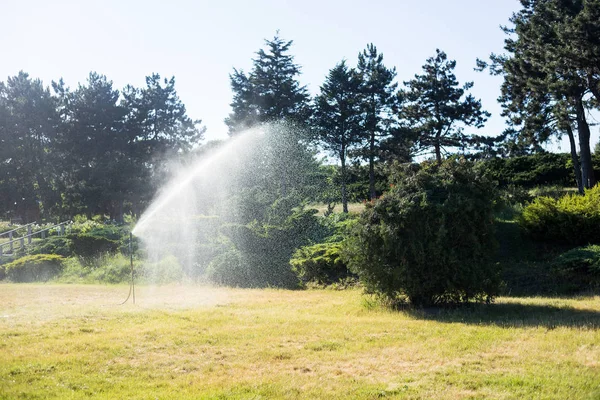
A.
x: 512, y: 315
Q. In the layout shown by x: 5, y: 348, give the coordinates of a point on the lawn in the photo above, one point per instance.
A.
x: 68, y: 341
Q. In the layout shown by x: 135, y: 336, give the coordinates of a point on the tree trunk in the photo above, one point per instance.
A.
x: 344, y: 195
x: 575, y: 159
x: 372, y: 192
x: 438, y: 147
x: 587, y: 170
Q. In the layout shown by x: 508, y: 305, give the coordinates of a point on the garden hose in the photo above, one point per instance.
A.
x: 132, y: 282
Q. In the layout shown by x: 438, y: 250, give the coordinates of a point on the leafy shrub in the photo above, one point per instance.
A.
x: 572, y: 219
x: 34, y: 268
x: 321, y: 263
x: 229, y: 269
x: 579, y: 269
x: 60, y: 245
x: 111, y: 269
x: 531, y: 170
x: 429, y: 238
x: 89, y: 246
x: 260, y: 251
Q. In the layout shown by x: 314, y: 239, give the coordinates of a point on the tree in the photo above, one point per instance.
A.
x: 377, y: 101
x: 436, y: 108
x: 158, y: 129
x: 94, y: 148
x: 28, y: 129
x: 553, y: 50
x: 270, y: 92
x: 337, y: 117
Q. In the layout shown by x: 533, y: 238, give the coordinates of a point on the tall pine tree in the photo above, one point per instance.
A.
x: 337, y: 117
x: 436, y: 108
x: 377, y: 100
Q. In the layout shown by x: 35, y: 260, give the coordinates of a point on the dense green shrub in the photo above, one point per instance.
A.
x: 34, y: 268
x: 321, y: 263
x: 579, y: 269
x: 530, y: 171
x: 429, y: 238
x: 260, y: 251
x: 89, y: 246
x: 60, y: 245
x: 572, y: 219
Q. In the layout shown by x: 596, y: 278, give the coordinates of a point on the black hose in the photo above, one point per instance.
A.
x: 132, y: 282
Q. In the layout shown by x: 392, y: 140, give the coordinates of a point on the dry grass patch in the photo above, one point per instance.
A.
x: 197, y: 342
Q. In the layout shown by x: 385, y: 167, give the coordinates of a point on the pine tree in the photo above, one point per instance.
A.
x: 553, y: 48
x: 337, y: 117
x: 377, y: 92
x: 28, y: 129
x: 270, y: 92
x: 436, y: 108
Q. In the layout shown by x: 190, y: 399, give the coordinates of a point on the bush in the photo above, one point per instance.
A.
x: 260, y: 251
x: 429, y: 238
x: 321, y: 263
x: 89, y: 246
x: 572, y: 219
x: 579, y: 269
x: 60, y: 245
x: 34, y: 268
x: 531, y: 170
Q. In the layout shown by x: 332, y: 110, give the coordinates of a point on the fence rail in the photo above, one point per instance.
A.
x: 29, y: 236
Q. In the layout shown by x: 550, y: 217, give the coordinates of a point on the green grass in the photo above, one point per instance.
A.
x: 63, y: 341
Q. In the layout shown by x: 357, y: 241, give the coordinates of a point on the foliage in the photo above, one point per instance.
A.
x: 60, y: 245
x: 270, y: 92
x: 103, y: 268
x: 34, y: 268
x: 260, y: 251
x: 550, y: 69
x: 337, y: 118
x: 579, y: 269
x: 89, y: 246
x: 436, y: 109
x: 572, y: 219
x: 530, y: 170
x: 321, y: 263
x: 377, y: 100
x: 429, y: 238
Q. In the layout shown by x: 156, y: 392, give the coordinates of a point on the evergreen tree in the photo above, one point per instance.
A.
x: 94, y: 148
x: 436, y: 108
x: 158, y: 129
x: 377, y: 102
x: 28, y: 123
x: 337, y: 117
x: 553, y: 49
x: 270, y: 92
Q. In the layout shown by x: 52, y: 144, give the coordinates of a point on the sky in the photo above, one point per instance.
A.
x: 200, y: 42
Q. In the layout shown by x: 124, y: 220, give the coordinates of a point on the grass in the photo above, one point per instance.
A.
x: 355, y: 208
x: 69, y: 341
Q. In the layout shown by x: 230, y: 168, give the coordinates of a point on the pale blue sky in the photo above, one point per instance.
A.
x: 199, y: 42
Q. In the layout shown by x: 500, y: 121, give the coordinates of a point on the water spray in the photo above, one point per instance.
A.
x: 132, y: 282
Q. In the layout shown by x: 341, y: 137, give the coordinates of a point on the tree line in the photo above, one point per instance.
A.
x: 95, y: 149
x: 89, y: 150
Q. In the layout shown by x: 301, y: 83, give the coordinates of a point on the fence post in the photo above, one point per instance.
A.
x: 62, y: 230
x: 0, y: 250
x: 10, y: 237
x: 43, y: 234
x: 29, y: 234
x: 22, y: 242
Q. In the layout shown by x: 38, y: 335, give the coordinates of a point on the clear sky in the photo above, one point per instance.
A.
x: 200, y: 42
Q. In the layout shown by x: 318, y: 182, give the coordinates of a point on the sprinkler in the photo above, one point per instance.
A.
x: 132, y: 283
